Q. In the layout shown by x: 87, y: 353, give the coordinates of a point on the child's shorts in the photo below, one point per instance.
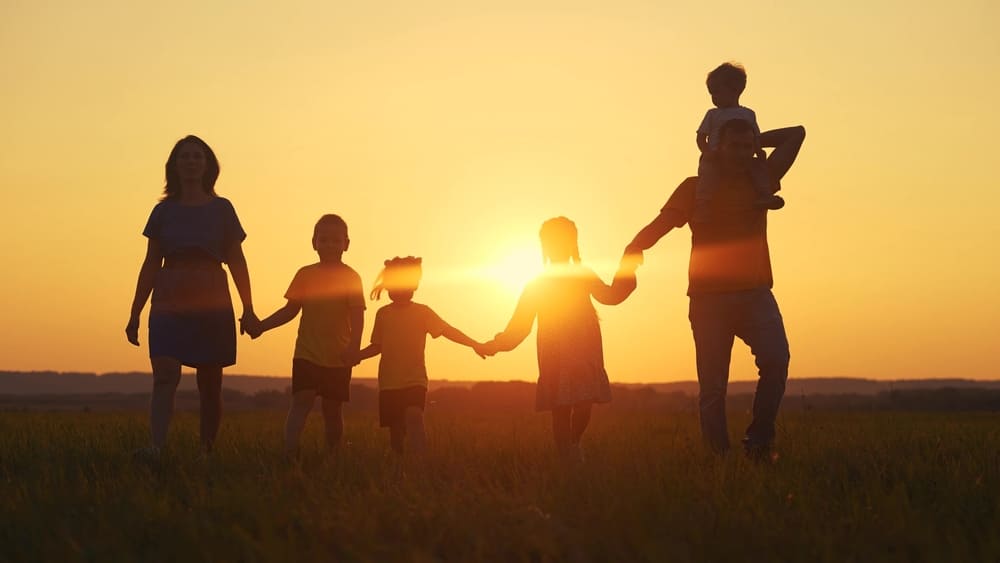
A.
x: 392, y: 404
x: 329, y: 383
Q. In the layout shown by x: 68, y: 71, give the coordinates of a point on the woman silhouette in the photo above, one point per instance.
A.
x: 191, y: 232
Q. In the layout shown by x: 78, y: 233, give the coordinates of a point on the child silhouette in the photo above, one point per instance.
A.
x: 399, y: 335
x: 571, y: 375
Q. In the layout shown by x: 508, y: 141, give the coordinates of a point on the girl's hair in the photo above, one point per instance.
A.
x: 401, y: 274
x: 558, y: 236
x: 173, y: 187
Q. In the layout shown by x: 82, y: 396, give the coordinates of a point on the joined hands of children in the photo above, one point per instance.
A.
x: 484, y: 349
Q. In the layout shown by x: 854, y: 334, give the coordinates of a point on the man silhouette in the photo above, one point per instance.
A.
x: 730, y: 281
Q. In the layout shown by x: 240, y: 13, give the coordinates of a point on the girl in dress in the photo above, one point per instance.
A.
x: 571, y: 375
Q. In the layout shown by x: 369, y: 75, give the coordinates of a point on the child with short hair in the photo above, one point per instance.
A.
x: 332, y: 302
x: 726, y: 83
x: 571, y: 374
x: 399, y: 335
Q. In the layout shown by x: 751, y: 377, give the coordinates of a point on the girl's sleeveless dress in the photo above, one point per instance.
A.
x: 570, y: 348
x: 191, y: 315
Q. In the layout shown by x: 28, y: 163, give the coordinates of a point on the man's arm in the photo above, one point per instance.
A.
x: 651, y: 233
x: 786, y: 142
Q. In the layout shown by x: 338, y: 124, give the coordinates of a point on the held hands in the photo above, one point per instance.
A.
x: 351, y: 358
x: 484, y: 349
x: 250, y: 324
x: 132, y: 330
x: 631, y: 259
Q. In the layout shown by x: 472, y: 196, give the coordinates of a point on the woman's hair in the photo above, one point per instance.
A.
x: 399, y: 274
x: 173, y: 187
x: 558, y: 236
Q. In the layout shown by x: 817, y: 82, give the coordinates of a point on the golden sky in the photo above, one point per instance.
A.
x: 451, y: 130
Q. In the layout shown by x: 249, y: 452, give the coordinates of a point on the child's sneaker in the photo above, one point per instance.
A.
x: 769, y: 202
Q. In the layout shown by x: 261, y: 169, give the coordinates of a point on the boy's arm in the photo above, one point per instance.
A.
x: 703, y: 130
x: 357, y: 320
x: 278, y: 318
x: 369, y: 351
x: 786, y: 142
x: 702, y: 141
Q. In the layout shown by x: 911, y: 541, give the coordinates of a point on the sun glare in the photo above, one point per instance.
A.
x: 513, y: 268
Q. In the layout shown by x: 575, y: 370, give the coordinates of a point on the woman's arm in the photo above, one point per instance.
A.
x: 241, y: 277
x: 151, y: 264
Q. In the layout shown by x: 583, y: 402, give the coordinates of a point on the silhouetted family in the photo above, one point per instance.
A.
x: 192, y: 231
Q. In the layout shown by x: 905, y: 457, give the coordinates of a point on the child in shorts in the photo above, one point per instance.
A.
x: 399, y: 335
x: 329, y: 295
x: 726, y: 83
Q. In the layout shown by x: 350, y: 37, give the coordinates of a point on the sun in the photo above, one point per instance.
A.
x: 512, y: 268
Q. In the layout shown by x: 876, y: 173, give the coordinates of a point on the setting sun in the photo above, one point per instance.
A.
x: 512, y: 268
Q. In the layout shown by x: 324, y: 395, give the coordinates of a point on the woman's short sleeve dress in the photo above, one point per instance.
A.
x: 191, y: 314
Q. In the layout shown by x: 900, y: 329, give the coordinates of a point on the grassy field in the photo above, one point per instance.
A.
x: 846, y: 487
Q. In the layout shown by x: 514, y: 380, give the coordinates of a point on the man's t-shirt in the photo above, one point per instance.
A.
x: 729, y: 251
x: 401, y: 329
x: 327, y: 293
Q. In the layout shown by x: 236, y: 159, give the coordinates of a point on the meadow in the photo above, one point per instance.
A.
x: 858, y: 486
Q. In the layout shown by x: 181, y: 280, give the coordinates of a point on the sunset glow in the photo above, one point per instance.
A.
x: 450, y: 131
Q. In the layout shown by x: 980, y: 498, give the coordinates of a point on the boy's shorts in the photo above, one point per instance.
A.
x: 392, y: 404
x: 329, y: 383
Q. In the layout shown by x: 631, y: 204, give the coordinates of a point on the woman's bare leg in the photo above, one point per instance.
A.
x: 210, y: 395
x: 166, y: 376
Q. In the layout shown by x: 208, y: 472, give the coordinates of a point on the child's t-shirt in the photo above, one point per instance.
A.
x: 327, y: 293
x: 716, y: 117
x: 401, y: 329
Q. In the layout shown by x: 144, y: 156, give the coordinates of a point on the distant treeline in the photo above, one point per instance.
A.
x: 814, y: 388
x: 519, y: 397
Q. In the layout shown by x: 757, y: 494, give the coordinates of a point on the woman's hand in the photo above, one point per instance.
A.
x: 132, y: 330
x: 250, y: 324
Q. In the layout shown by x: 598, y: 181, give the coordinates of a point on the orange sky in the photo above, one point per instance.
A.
x: 451, y: 130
